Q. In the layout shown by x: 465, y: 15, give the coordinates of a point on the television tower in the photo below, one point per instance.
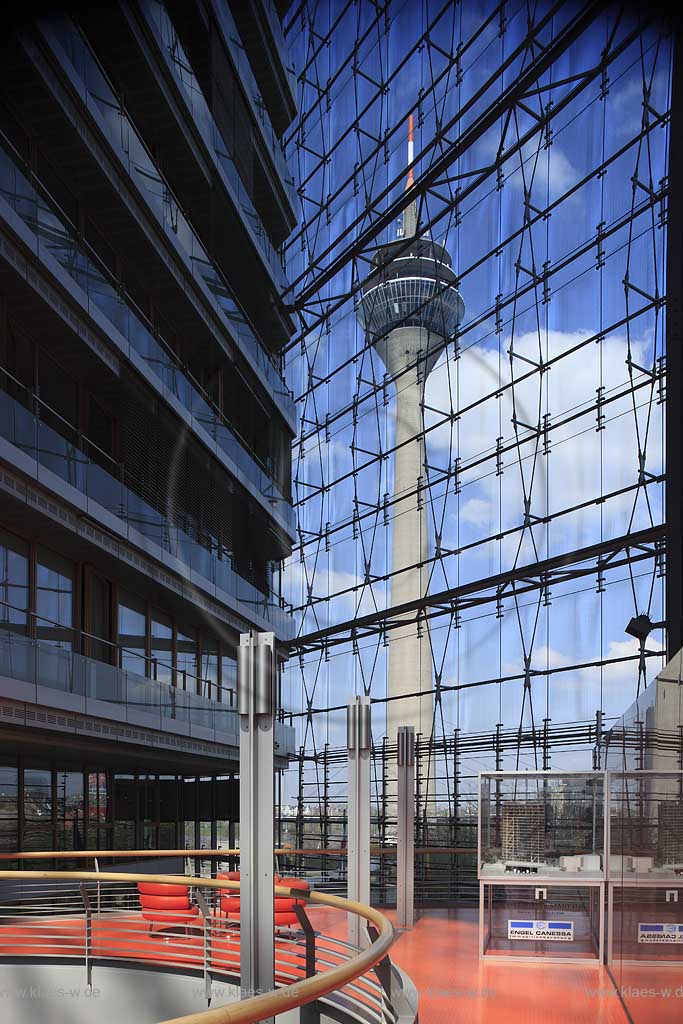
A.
x: 410, y: 308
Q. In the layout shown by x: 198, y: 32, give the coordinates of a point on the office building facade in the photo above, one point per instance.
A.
x: 145, y: 428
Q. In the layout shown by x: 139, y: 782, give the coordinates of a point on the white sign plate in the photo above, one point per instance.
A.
x: 541, y: 931
x: 660, y: 933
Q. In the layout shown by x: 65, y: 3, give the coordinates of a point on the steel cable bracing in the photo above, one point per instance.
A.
x: 540, y: 164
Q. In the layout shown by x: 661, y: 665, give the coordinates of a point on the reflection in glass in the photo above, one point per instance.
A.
x: 9, y: 813
x: 38, y: 831
x: 209, y: 673
x: 132, y: 633
x: 186, y: 659
x: 14, y: 592
x: 54, y: 599
x: 70, y: 811
x: 162, y: 648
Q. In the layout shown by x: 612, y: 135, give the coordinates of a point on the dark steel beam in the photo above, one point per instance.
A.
x: 521, y: 579
x: 674, y: 363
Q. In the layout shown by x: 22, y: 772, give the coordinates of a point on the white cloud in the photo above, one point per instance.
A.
x: 582, y: 460
x: 476, y: 510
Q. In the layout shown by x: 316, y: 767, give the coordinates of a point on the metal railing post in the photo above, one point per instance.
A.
x: 309, y: 933
x: 206, y: 917
x: 400, y: 1009
x: 99, y: 886
x: 358, y: 743
x: 405, y: 848
x: 88, y: 933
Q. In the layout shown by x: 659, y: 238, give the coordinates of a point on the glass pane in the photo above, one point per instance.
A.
x: 132, y: 633
x: 209, y: 673
x: 70, y: 811
x: 162, y: 648
x: 186, y: 660
x: 38, y: 833
x: 54, y: 599
x: 13, y: 582
x: 98, y: 591
x: 125, y: 812
x: 8, y: 809
x: 98, y: 811
x: 228, y: 679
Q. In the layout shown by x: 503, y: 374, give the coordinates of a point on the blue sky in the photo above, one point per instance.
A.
x: 585, y: 301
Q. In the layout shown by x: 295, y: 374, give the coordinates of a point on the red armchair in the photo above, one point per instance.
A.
x: 284, y: 905
x: 165, y: 904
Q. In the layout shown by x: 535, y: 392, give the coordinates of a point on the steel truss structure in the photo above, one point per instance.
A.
x: 545, y: 144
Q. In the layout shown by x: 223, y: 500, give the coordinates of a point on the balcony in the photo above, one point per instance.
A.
x: 264, y: 41
x: 101, y: 690
x: 138, y: 521
x: 167, y: 40
x: 57, y: 238
x: 104, y: 106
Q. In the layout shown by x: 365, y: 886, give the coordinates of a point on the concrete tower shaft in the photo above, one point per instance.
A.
x: 410, y: 309
x: 410, y: 659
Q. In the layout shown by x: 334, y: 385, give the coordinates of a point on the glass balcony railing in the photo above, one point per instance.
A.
x: 273, y: 17
x: 51, y: 450
x: 55, y: 236
x: 169, y: 44
x: 57, y: 667
x: 99, y: 97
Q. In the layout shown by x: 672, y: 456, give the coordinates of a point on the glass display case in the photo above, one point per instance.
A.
x: 645, y: 826
x: 541, y: 825
x: 645, y: 923
x: 562, y: 922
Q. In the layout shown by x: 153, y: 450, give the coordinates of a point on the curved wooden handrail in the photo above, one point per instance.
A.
x: 268, y: 1004
x: 380, y: 851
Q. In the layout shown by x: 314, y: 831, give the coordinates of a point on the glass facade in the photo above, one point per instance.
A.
x: 544, y: 174
x: 68, y: 808
x: 148, y: 642
x: 144, y: 410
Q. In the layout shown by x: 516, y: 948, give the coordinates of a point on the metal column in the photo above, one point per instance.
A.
x: 255, y: 679
x: 358, y: 738
x: 405, y: 851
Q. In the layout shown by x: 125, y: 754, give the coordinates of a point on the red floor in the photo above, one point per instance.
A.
x: 439, y: 954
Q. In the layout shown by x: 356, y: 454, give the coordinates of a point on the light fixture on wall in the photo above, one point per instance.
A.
x: 640, y: 626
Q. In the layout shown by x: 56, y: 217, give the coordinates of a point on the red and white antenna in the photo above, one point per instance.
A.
x: 411, y: 126
x: 408, y: 223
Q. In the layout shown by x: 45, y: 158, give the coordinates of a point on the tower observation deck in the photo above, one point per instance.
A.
x: 410, y: 308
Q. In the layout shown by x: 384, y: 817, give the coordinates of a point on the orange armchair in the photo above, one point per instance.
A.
x: 284, y: 905
x: 166, y: 904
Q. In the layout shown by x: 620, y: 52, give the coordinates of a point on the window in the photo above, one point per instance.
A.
x: 59, y: 395
x: 100, y: 432
x: 98, y: 832
x: 125, y: 812
x: 97, y: 597
x: 186, y: 660
x: 132, y: 633
x: 38, y: 831
x: 54, y: 599
x: 228, y: 679
x: 70, y: 811
x: 9, y: 814
x: 162, y: 648
x: 209, y: 673
x: 14, y: 583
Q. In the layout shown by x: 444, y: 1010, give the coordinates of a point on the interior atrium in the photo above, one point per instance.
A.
x: 341, y: 494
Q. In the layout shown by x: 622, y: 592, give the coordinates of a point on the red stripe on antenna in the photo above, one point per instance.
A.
x: 411, y: 126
